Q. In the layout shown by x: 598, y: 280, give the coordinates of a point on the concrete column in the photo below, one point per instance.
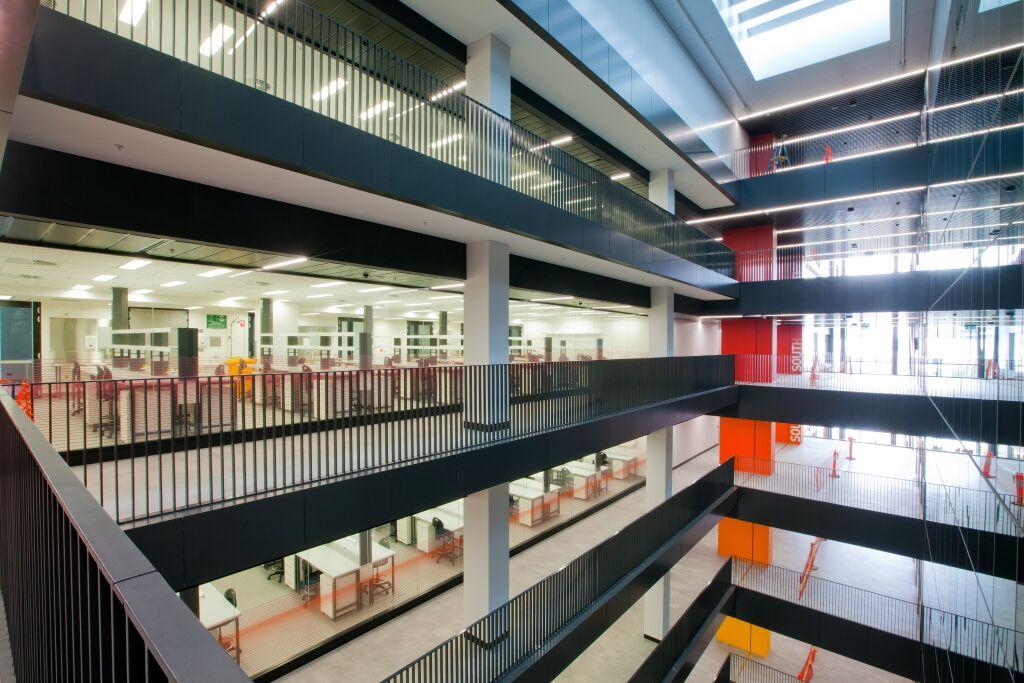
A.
x: 366, y: 340
x: 489, y: 82
x: 188, y: 352
x: 17, y: 22
x: 485, y: 566
x: 661, y: 189
x: 442, y: 331
x: 266, y: 325
x: 119, y: 308
x: 661, y: 343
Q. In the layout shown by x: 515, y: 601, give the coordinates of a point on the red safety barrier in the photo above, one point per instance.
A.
x: 805, y: 575
x: 849, y: 454
x: 814, y: 372
x: 1018, y: 481
x: 807, y: 672
x: 835, y: 461
x: 986, y: 469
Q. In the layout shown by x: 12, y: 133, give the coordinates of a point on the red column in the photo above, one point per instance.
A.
x: 755, y: 252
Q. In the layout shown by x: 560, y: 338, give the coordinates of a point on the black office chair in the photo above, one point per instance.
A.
x: 449, y: 547
x: 276, y: 568
x: 231, y: 597
x: 377, y: 584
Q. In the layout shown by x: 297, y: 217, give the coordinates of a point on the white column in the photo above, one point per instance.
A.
x: 489, y: 82
x: 661, y: 343
x: 661, y: 189
x: 17, y: 22
x: 485, y: 333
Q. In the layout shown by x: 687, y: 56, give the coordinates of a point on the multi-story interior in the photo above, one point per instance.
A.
x: 437, y: 340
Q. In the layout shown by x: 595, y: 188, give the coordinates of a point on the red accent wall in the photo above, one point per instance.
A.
x: 759, y: 159
x: 790, y: 349
x: 752, y: 340
x: 755, y: 252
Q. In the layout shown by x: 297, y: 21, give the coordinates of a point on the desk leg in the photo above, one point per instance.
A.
x: 238, y: 642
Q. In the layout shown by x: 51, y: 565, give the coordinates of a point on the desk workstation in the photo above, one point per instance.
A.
x: 216, y: 612
x: 584, y: 480
x: 623, y: 465
x: 535, y: 505
x: 340, y: 575
x: 421, y: 530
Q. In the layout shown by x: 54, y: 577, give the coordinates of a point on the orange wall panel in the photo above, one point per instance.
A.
x: 745, y: 540
x: 750, y: 442
x: 743, y: 636
x: 788, y: 433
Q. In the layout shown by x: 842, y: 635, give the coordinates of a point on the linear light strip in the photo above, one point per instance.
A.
x: 805, y: 205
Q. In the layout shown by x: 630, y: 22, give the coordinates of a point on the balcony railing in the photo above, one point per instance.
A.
x: 974, y: 508
x: 150, y: 446
x: 985, y: 642
x: 292, y: 51
x: 522, y: 630
x: 82, y: 603
x: 925, y: 377
x: 740, y: 669
x: 967, y: 104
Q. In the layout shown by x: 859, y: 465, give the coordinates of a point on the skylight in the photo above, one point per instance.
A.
x: 776, y: 36
x: 986, y: 5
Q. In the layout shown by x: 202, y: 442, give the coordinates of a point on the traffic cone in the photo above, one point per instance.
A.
x: 986, y: 469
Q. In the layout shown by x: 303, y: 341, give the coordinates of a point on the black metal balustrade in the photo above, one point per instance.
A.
x: 740, y: 669
x: 82, y: 603
x: 145, y: 447
x: 288, y: 49
x: 522, y: 630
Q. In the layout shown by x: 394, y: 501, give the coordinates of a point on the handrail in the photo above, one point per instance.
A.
x: 82, y: 603
x: 752, y: 671
x: 523, y: 629
x: 991, y: 643
x: 290, y: 50
x: 150, y: 446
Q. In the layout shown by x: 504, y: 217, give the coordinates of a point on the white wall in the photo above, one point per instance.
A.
x: 622, y: 337
x: 695, y: 338
x: 234, y: 341
x: 89, y: 310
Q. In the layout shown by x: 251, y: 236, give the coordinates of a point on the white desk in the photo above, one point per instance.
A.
x: 215, y: 612
x: 535, y: 505
x: 379, y: 557
x: 339, y: 579
x: 425, y: 539
x: 584, y: 479
x: 623, y: 465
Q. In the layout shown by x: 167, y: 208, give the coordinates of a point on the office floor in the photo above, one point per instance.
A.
x: 885, y: 479
x: 1001, y: 389
x: 391, y: 646
x: 276, y: 626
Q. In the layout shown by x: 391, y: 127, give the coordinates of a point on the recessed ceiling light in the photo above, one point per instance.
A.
x: 526, y: 174
x: 318, y: 296
x: 328, y: 284
x: 173, y: 283
x: 240, y: 273
x: 234, y: 298
x: 192, y: 308
x: 5, y: 297
x: 376, y: 109
x: 274, y: 291
x: 451, y: 285
x: 446, y: 296
x: 374, y: 289
x: 104, y: 278
x: 142, y: 291
x: 282, y: 264
x: 81, y: 288
x: 445, y: 141
x: 554, y: 298
x: 215, y: 272
x: 620, y: 176
x: 134, y: 264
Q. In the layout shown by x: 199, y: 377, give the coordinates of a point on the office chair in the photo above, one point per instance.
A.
x: 377, y: 584
x: 385, y: 542
x: 276, y: 568
x: 231, y: 597
x: 447, y: 539
x: 228, y: 643
x: 219, y: 372
x: 513, y: 507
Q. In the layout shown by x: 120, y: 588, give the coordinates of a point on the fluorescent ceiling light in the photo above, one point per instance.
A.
x: 274, y: 291
x: 212, y: 45
x: 142, y: 291
x: 616, y: 306
x: 329, y: 89
x: 132, y: 12
x: 234, y: 298
x: 804, y: 205
x: 446, y: 296
x: 240, y: 273
x: 134, y: 264
x: 374, y: 289
x: 376, y: 110
x: 173, y: 283
x: 451, y: 285
x: 555, y: 298
x: 620, y: 176
x: 594, y: 313
x: 328, y: 284
x: 192, y: 308
x: 81, y: 288
x: 318, y: 296
x: 282, y: 264
x: 556, y: 142
x: 104, y: 278
x: 520, y: 176
x: 979, y: 180
x: 313, y: 313
x: 445, y: 141
x: 550, y: 183
x: 448, y: 91
x: 215, y: 272
x: 5, y: 297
